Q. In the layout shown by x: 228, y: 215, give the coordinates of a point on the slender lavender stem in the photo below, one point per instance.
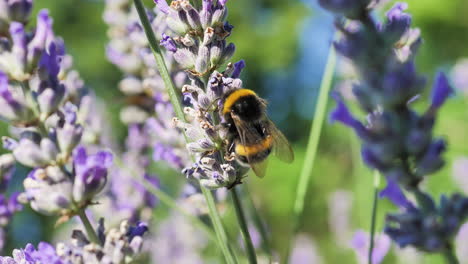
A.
x: 161, y: 65
x: 258, y: 223
x: 175, y: 101
x: 92, y: 236
x: 312, y: 145
x: 374, y: 215
x: 450, y: 256
x: 243, y: 226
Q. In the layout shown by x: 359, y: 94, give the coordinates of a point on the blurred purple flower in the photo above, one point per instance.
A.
x: 460, y: 173
x: 360, y: 244
x: 339, y: 215
x: 461, y: 244
x: 459, y: 76
x: 305, y: 251
x: 8, y: 206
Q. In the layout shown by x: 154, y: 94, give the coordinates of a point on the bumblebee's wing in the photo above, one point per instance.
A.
x: 259, y: 168
x: 281, y: 146
x: 249, y: 135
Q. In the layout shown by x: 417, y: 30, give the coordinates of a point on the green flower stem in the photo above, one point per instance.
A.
x: 374, y: 215
x: 160, y: 63
x: 175, y: 100
x: 312, y: 145
x: 243, y: 225
x: 258, y: 223
x: 92, y: 236
x: 450, y: 256
x: 218, y: 226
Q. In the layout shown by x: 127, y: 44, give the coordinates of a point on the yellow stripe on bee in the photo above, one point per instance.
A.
x: 244, y: 150
x: 233, y: 97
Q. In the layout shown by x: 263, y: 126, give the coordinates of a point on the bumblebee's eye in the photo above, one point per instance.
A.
x: 248, y: 108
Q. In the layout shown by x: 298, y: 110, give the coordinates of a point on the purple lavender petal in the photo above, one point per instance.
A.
x: 43, y: 29
x: 342, y: 114
x: 238, y: 66
x: 19, y: 39
x: 394, y: 193
x: 360, y: 243
x: 162, y: 6
x: 168, y: 43
x: 441, y: 91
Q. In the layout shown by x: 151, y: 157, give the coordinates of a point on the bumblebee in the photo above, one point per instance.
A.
x: 251, y: 135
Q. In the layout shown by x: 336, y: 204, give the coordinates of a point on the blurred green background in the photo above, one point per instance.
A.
x: 285, y: 44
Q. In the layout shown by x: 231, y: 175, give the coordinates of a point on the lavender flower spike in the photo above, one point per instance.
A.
x: 397, y: 140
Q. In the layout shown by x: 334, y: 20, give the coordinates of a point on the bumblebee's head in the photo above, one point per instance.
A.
x: 245, y: 104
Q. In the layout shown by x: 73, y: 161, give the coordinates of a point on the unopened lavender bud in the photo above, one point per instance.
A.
x: 49, y: 100
x: 69, y: 136
x: 13, y: 109
x: 201, y: 64
x: 185, y: 58
x: 216, y: 51
x: 182, y: 15
x: 176, y: 25
x: 19, y: 10
x: 192, y: 15
x: 38, y: 43
x: 205, y: 14
x: 49, y: 149
x: 204, y: 101
x: 228, y: 52
x: 18, y: 36
x: 219, y: 15
x: 35, y: 154
x: 206, y: 144
x: 44, y: 196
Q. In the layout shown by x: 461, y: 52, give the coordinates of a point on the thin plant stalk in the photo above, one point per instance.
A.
x: 243, y: 225
x: 312, y: 145
x: 374, y: 215
x: 450, y: 256
x: 258, y: 223
x: 92, y: 236
x: 223, y: 242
